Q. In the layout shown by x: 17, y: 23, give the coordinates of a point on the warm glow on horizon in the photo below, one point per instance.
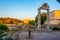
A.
x: 26, y: 20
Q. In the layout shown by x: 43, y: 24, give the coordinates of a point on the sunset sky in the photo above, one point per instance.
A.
x: 24, y: 8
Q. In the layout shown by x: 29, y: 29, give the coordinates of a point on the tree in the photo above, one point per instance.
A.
x: 2, y: 20
x: 43, y: 18
x: 11, y: 22
x: 32, y: 22
x: 3, y: 27
x: 58, y: 1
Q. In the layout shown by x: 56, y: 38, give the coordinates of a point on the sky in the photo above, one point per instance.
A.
x: 21, y: 9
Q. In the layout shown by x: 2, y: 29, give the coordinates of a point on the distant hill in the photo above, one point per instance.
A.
x: 10, y: 21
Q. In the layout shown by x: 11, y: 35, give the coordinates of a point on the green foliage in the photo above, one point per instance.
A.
x: 3, y: 27
x: 43, y: 18
x: 55, y: 28
x: 3, y: 34
x: 58, y: 1
x: 1, y: 31
x: 32, y: 22
x: 8, y: 38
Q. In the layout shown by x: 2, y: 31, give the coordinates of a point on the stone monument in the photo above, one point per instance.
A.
x: 45, y: 6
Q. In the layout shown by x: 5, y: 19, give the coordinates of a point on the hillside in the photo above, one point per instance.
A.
x: 10, y: 21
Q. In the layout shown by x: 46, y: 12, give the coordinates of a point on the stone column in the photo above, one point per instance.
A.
x: 48, y: 20
x: 39, y: 19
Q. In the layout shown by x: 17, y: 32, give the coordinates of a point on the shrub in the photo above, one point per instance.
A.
x: 3, y: 34
x: 55, y: 28
x: 8, y: 38
x: 3, y: 27
x: 1, y: 31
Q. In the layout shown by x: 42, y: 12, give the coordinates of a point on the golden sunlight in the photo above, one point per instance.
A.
x: 26, y: 20
x: 57, y: 13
